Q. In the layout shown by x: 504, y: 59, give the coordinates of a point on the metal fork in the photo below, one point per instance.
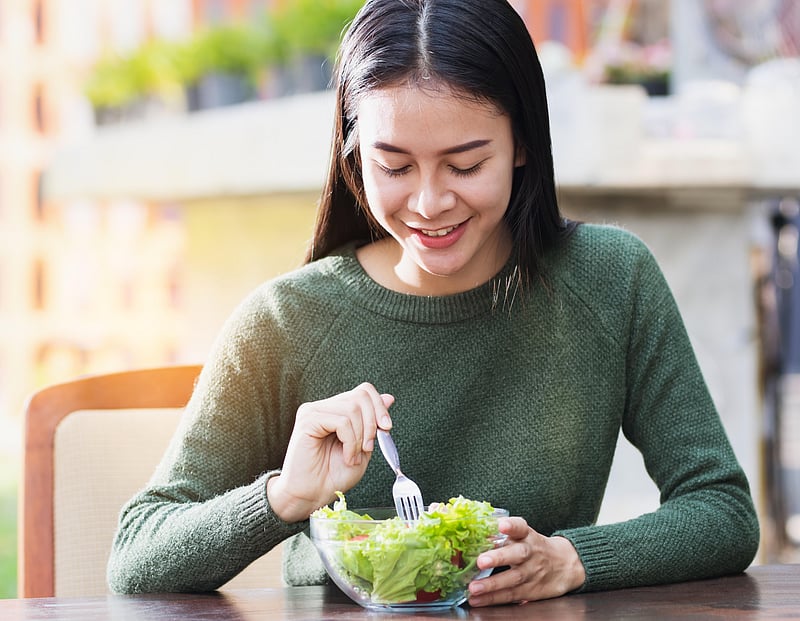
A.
x: 407, y: 496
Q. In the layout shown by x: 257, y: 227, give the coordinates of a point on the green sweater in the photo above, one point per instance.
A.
x: 515, y: 398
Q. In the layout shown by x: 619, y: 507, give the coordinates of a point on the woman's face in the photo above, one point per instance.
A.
x: 437, y: 171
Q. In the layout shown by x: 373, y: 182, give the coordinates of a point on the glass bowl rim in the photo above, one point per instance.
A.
x: 498, y: 512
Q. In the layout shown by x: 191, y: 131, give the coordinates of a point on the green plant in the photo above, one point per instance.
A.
x: 8, y: 540
x: 313, y: 27
x: 239, y: 49
x: 110, y: 84
x: 152, y: 70
x: 161, y: 69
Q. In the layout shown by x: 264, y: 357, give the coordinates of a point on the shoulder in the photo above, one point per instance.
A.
x: 321, y: 279
x: 281, y: 324
x: 609, y: 272
x: 304, y: 300
x: 604, y: 243
x: 595, y: 254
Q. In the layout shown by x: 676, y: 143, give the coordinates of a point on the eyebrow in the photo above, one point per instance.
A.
x: 461, y: 148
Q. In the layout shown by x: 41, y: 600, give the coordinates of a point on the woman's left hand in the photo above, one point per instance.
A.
x: 539, y: 567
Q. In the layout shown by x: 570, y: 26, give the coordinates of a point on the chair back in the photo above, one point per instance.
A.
x: 90, y: 444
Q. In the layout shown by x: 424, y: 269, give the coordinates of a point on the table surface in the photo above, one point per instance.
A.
x: 763, y: 592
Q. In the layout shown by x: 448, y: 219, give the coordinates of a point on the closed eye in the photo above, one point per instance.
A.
x: 394, y: 172
x: 467, y: 172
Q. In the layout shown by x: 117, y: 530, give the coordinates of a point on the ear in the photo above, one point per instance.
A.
x: 520, y: 157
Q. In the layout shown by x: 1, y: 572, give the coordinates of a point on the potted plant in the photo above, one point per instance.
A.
x: 646, y: 65
x: 292, y: 50
x: 111, y: 90
x: 123, y: 88
x: 221, y: 65
x: 308, y: 33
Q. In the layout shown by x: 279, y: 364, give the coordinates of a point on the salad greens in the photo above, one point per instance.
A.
x: 399, y: 561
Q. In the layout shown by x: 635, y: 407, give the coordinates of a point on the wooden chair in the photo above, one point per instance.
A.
x: 89, y: 445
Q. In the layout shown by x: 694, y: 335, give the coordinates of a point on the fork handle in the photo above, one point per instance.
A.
x: 389, y: 450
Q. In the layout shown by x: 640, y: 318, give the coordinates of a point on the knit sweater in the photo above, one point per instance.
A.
x: 514, y: 397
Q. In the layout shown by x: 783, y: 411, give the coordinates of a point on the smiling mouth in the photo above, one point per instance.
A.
x: 438, y: 232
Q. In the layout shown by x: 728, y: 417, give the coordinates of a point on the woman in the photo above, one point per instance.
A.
x: 443, y: 286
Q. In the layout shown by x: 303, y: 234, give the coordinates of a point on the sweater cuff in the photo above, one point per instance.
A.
x: 597, y: 555
x: 263, y: 526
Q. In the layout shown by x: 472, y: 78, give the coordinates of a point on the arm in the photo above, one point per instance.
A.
x: 706, y: 524
x: 248, y: 464
x: 204, y: 515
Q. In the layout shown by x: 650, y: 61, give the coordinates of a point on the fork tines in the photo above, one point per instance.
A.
x: 408, y: 499
x: 409, y: 507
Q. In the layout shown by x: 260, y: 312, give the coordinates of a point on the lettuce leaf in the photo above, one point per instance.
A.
x: 399, y: 560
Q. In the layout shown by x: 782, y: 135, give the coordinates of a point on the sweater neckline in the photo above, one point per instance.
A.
x: 362, y: 290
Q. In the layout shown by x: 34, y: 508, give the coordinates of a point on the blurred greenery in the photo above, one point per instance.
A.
x: 312, y: 27
x: 155, y: 69
x: 162, y: 69
x: 8, y: 540
x: 228, y: 48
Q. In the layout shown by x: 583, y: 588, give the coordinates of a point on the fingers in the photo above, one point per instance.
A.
x: 353, y: 417
x: 517, y: 529
x: 512, y: 588
x: 374, y: 410
x: 386, y: 420
x: 514, y: 527
x: 329, y: 449
x: 511, y: 585
x: 539, y: 567
x: 346, y: 429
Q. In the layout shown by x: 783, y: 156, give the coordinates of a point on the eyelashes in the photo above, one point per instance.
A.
x: 467, y: 172
x: 458, y: 172
x: 394, y: 172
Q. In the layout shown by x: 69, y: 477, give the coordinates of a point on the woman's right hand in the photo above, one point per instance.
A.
x: 330, y: 447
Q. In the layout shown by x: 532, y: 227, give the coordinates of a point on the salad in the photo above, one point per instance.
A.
x: 396, y: 561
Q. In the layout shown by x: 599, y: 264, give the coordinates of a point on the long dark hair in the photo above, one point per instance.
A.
x: 480, y: 49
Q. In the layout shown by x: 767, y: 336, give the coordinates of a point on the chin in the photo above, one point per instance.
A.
x: 440, y: 271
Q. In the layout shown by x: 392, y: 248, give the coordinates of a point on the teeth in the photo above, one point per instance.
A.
x: 439, y: 233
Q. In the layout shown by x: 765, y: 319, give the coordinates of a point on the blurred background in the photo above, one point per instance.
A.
x: 160, y: 158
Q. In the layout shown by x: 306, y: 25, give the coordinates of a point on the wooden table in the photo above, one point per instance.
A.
x: 763, y: 592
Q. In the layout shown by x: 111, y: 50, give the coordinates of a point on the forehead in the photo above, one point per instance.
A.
x: 411, y: 112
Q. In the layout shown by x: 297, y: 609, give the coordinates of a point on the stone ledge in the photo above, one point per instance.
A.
x: 275, y: 146
x: 282, y: 146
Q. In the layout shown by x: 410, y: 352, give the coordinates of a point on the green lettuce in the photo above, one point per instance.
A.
x: 427, y: 559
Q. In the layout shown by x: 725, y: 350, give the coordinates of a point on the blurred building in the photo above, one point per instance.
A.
x: 85, y: 285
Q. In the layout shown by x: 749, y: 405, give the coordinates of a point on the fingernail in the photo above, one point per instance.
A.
x: 386, y: 422
x: 369, y: 445
x: 476, y: 588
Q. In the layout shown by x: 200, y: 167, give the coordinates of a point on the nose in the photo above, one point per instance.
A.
x: 432, y: 198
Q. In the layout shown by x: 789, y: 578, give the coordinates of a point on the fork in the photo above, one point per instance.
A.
x: 406, y: 493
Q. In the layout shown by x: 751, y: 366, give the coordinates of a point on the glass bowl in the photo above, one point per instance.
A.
x: 384, y: 563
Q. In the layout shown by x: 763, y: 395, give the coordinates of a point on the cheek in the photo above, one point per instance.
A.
x: 371, y: 187
x: 383, y: 196
x: 490, y: 199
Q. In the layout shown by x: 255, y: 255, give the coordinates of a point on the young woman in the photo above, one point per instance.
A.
x: 446, y: 298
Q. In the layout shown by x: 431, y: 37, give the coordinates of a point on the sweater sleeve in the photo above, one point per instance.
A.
x: 706, y: 524
x: 204, y: 516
